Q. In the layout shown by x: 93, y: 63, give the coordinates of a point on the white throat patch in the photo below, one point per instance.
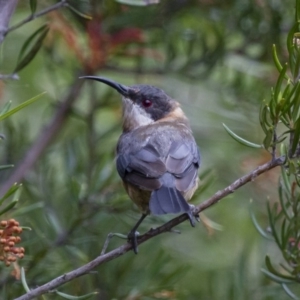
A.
x: 134, y: 116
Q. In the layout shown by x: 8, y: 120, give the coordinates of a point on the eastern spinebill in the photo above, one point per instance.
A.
x: 157, y: 156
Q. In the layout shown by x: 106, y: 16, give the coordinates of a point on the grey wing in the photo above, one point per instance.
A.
x: 142, y: 168
x: 183, y: 162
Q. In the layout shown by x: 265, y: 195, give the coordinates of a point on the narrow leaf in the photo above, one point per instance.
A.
x: 287, y: 90
x: 284, y: 236
x: 9, y: 192
x: 8, y: 207
x: 290, y: 38
x: 276, y: 278
x: 71, y: 297
x: 286, y: 180
x: 264, y: 116
x: 23, y: 62
x: 296, y: 103
x: 296, y: 136
x: 289, y: 292
x: 297, y: 64
x: 262, y: 232
x: 138, y: 2
x: 283, y: 205
x: 4, y: 167
x: 291, y: 97
x: 279, y: 82
x: 29, y: 41
x: 33, y: 4
x: 20, y: 106
x: 272, y: 225
x: 274, y: 271
x: 297, y: 14
x: 79, y: 13
x: 6, y: 107
x: 241, y: 140
x: 268, y: 138
x: 23, y: 280
x: 275, y: 58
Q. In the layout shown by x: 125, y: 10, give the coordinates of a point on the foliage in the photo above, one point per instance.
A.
x: 215, y: 57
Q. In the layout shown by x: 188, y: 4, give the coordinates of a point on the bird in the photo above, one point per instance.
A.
x: 157, y: 156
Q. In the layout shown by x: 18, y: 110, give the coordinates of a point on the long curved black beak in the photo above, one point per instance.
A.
x: 122, y: 89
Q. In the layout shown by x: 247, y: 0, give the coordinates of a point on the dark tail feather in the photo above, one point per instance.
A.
x: 168, y: 200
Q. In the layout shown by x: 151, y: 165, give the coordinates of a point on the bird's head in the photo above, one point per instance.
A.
x: 144, y: 104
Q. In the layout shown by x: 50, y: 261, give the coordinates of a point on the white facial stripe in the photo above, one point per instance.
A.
x: 134, y: 115
x: 142, y: 118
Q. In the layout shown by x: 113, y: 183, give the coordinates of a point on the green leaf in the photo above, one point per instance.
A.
x: 256, y: 225
x: 276, y: 278
x: 290, y: 38
x: 282, y: 203
x: 291, y: 96
x: 275, y: 58
x: 297, y: 14
x: 79, y: 13
x: 263, y: 118
x: 6, y: 107
x: 270, y: 266
x: 25, y: 59
x: 297, y: 64
x: 20, y: 106
x: 296, y: 136
x: 8, y: 207
x: 23, y: 280
x: 11, y: 191
x: 29, y: 41
x: 240, y: 140
x: 296, y: 103
x: 33, y: 4
x: 286, y: 180
x: 138, y: 2
x: 289, y: 292
x: 287, y: 90
x: 4, y: 167
x: 282, y: 76
x: 272, y: 225
x: 284, y: 236
x: 268, y: 138
x: 71, y: 297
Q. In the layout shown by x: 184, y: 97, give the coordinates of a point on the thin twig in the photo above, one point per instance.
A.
x: 46, y: 136
x: 85, y: 269
x: 7, y: 9
x: 108, y: 238
x: 9, y: 76
x: 62, y: 3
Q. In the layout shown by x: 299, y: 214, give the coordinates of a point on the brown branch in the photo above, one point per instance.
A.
x: 31, y: 17
x: 46, y: 136
x: 85, y: 269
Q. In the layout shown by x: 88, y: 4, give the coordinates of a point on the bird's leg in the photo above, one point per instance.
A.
x: 197, y: 217
x: 193, y: 216
x: 133, y: 234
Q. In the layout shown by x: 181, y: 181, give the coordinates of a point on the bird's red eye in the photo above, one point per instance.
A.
x: 147, y: 103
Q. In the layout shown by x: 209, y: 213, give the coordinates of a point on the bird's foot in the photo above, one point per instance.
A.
x: 197, y: 218
x: 132, y: 238
x: 193, y: 216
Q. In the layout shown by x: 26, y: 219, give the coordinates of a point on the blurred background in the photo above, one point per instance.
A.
x: 215, y: 58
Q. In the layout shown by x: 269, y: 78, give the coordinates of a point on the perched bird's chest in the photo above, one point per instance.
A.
x: 160, y: 135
